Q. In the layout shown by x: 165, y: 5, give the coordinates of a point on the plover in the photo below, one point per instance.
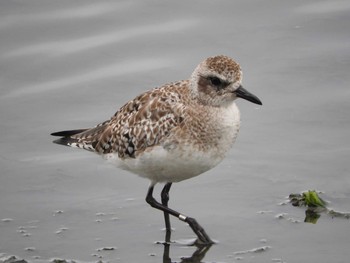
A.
x: 173, y: 132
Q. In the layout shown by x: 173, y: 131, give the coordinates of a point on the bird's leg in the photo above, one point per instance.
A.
x: 203, y: 238
x: 165, y: 200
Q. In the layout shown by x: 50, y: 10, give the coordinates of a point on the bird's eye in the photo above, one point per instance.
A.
x: 215, y: 81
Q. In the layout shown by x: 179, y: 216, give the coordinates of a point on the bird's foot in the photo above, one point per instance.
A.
x: 203, y: 238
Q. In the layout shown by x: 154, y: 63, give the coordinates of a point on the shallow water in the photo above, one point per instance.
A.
x: 67, y: 64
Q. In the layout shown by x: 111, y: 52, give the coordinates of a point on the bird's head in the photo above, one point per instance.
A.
x: 217, y: 81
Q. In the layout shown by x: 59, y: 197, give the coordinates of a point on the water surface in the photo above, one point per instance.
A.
x: 67, y: 64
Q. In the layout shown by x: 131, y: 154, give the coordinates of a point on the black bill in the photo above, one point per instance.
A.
x: 244, y: 94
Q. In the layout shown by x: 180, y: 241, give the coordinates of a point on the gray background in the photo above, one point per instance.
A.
x: 72, y: 64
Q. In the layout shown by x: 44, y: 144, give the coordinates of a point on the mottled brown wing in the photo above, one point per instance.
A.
x: 141, y: 123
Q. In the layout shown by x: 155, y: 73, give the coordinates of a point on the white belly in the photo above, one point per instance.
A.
x: 160, y: 165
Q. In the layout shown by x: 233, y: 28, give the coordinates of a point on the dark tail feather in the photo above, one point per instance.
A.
x: 66, y: 140
x: 67, y: 133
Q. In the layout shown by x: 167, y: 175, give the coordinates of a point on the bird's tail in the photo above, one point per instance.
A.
x: 67, y: 133
x: 86, y: 139
x: 66, y: 138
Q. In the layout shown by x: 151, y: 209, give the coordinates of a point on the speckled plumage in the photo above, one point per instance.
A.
x: 173, y: 132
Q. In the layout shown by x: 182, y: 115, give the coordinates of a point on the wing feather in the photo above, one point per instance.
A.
x: 143, y: 122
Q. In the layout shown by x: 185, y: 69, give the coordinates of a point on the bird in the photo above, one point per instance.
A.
x: 172, y: 132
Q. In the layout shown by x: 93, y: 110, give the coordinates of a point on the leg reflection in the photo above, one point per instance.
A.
x: 197, y: 256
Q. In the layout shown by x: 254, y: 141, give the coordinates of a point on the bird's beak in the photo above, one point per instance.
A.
x: 244, y: 94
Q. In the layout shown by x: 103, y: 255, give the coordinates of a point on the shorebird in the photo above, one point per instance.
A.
x: 173, y: 132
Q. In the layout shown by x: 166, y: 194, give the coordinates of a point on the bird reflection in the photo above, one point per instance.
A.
x: 197, y: 256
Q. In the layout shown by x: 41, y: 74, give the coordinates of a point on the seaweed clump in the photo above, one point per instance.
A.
x: 315, y: 206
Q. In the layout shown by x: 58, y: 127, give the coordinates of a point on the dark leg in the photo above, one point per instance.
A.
x: 203, y: 238
x: 165, y: 200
